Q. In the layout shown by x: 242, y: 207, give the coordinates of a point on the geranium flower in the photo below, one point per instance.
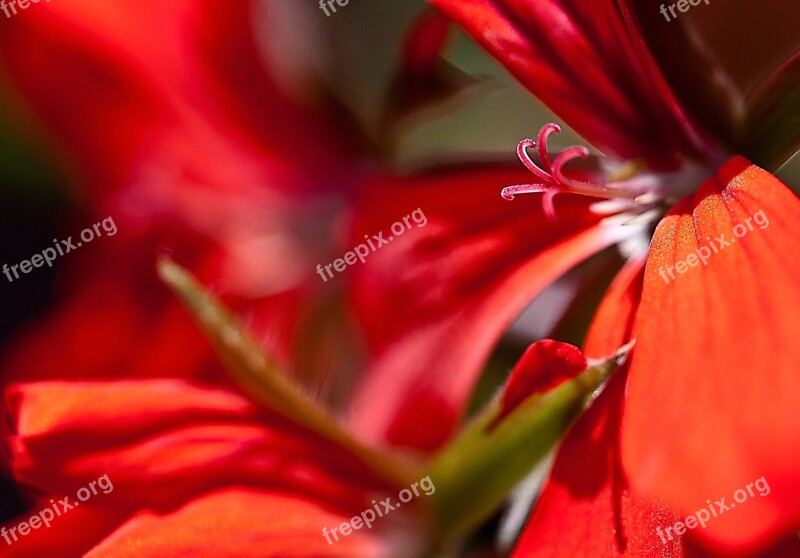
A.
x: 212, y: 166
x: 706, y: 404
x: 433, y: 317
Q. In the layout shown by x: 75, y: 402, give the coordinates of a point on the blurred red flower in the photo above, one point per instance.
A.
x: 193, y: 469
x: 210, y: 159
x: 177, y: 130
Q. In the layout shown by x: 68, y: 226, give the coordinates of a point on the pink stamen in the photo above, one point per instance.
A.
x: 522, y: 153
x: 569, y: 154
x: 510, y: 192
x: 551, y: 177
x: 544, y: 133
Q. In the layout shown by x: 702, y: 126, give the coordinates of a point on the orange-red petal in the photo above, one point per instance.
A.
x: 588, y: 509
x: 240, y: 522
x: 714, y: 386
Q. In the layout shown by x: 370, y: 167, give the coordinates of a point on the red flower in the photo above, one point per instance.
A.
x: 187, y: 467
x: 710, y: 386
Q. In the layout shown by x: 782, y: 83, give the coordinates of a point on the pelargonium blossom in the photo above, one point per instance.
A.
x: 711, y: 384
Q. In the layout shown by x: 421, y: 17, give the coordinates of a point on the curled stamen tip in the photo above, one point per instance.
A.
x: 551, y: 127
x: 508, y: 193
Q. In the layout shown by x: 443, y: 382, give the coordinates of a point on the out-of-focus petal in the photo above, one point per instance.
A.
x: 424, y: 78
x: 191, y: 100
x: 162, y: 441
x: 70, y: 534
x: 735, y: 66
x: 240, y: 523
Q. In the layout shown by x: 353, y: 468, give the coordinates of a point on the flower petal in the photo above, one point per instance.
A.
x: 191, y: 90
x: 736, y: 67
x: 587, y: 508
x: 612, y: 325
x: 423, y: 78
x: 585, y: 63
x: 713, y: 388
x: 70, y: 534
x: 239, y: 523
x: 545, y: 365
x: 162, y: 441
x: 436, y: 300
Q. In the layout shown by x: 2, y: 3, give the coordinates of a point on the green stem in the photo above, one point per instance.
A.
x: 474, y: 474
x: 261, y: 378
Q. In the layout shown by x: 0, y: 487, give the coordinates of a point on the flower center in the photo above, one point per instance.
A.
x: 644, y: 195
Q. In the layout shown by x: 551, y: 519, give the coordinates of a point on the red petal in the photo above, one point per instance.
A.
x: 424, y: 45
x: 613, y: 323
x: 161, y: 442
x: 71, y: 534
x: 731, y: 64
x: 714, y: 385
x: 437, y: 299
x: 586, y: 64
x: 587, y: 508
x: 117, y: 321
x: 544, y: 366
x: 54, y: 408
x: 185, y: 88
x: 239, y: 523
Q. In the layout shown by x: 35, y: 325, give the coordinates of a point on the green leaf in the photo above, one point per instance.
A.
x: 263, y: 380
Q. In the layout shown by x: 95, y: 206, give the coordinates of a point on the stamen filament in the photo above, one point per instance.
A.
x: 553, y: 181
